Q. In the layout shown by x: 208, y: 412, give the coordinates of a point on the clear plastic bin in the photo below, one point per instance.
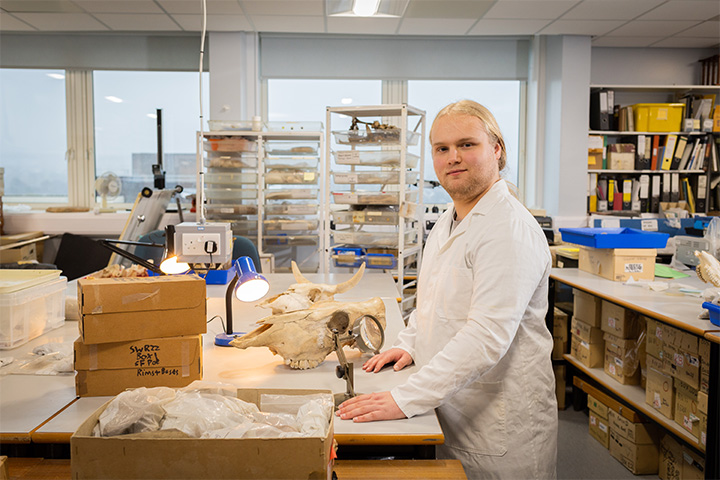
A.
x: 366, y: 217
x: 291, y: 148
x: 295, y: 126
x: 287, y: 224
x: 290, y: 177
x: 221, y: 209
x: 382, y: 178
x: 380, y: 158
x: 371, y: 198
x: 381, y: 239
x: 295, y: 162
x: 229, y: 161
x: 219, y: 125
x: 292, y: 209
x: 374, y: 137
x: 30, y: 312
x: 291, y: 240
x: 229, y: 144
x: 380, y: 260
x: 292, y: 193
x: 230, y: 193
x: 231, y: 179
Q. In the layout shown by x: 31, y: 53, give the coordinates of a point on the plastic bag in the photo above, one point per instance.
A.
x: 134, y: 411
x: 197, y: 412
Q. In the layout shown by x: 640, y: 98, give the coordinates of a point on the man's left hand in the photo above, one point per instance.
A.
x: 370, y: 407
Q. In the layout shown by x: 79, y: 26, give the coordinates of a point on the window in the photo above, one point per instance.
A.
x: 126, y: 127
x: 502, y: 98
x: 33, y: 136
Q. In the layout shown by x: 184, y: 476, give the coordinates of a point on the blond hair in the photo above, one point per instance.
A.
x: 474, y: 109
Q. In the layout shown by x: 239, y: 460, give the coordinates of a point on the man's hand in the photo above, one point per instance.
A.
x: 401, y: 358
x: 369, y: 408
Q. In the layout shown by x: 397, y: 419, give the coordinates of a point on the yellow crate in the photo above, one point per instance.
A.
x: 658, y: 117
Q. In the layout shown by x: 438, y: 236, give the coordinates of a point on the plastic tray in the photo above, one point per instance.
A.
x: 290, y: 177
x: 295, y: 162
x: 292, y: 193
x: 218, y: 125
x: 381, y: 239
x: 220, y: 209
x: 374, y: 137
x: 292, y: 209
x: 230, y: 193
x: 614, y: 237
x: 13, y: 280
x: 295, y: 126
x: 370, y: 198
x: 231, y: 179
x: 229, y: 144
x: 287, y: 224
x: 366, y: 217
x: 714, y: 312
x: 291, y: 148
x: 229, y: 161
x: 382, y: 178
x: 290, y: 240
x: 380, y: 260
x: 380, y: 158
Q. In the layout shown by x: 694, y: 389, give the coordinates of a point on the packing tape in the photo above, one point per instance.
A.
x: 93, y: 356
x: 185, y: 354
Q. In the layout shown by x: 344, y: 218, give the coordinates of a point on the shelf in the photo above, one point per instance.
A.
x: 656, y: 88
x: 644, y: 171
x: 376, y: 111
x: 625, y: 132
x: 635, y: 396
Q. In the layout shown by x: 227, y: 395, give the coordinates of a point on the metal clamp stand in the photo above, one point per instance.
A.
x: 343, y: 370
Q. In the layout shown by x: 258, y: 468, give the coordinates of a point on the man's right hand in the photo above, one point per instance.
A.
x: 401, y: 358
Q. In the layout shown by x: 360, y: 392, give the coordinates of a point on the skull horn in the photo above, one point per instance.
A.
x: 296, y: 273
x: 345, y: 286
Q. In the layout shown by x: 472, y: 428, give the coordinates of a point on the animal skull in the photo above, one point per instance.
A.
x: 709, y: 268
x: 303, y: 338
x: 304, y: 293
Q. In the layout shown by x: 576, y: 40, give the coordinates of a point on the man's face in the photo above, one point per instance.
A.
x: 465, y: 160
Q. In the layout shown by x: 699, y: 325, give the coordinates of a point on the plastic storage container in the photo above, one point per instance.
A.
x: 614, y: 237
x: 380, y: 260
x: 658, y: 117
x: 292, y: 208
x: 230, y: 144
x: 230, y: 194
x: 714, y: 312
x: 366, y: 217
x: 295, y: 162
x: 380, y: 239
x: 288, y: 224
x: 291, y: 177
x: 276, y: 147
x: 383, y: 158
x: 221, y: 209
x: 230, y: 179
x: 347, y: 256
x: 295, y: 126
x: 291, y: 193
x: 371, y: 198
x: 374, y: 137
x: 229, y: 161
x: 382, y: 178
x: 29, y: 312
x: 219, y: 125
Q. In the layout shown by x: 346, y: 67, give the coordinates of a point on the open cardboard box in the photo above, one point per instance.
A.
x: 171, y: 454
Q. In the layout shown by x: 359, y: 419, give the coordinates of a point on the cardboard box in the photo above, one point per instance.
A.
x: 704, y: 353
x: 595, y: 405
x: 98, y: 383
x: 693, y: 465
x: 560, y: 325
x: 654, y: 341
x: 152, y: 352
x: 640, y: 433
x: 598, y: 428
x: 585, y: 332
x: 138, y: 294
x: 619, y: 264
x: 619, y: 321
x: 589, y: 354
x: 586, y: 308
x: 560, y: 385
x: 660, y: 393
x: 640, y: 459
x: 621, y: 359
x: 682, y: 365
x: 687, y: 414
x: 166, y: 456
x: 670, y: 466
x: 559, y: 349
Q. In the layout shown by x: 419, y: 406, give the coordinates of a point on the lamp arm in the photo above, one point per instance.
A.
x: 124, y: 253
x: 228, y: 304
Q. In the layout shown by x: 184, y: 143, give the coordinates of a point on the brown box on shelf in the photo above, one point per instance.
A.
x: 560, y: 385
x: 660, y: 391
x: 589, y: 354
x: 639, y: 458
x: 670, y: 465
x: 619, y: 321
x: 619, y: 264
x: 586, y: 307
x: 693, y: 465
x: 586, y: 332
x: 560, y: 325
x: 597, y: 406
x: 682, y: 365
x: 654, y: 341
x: 559, y: 349
x: 622, y: 359
x: 172, y: 455
x: 621, y: 156
x: 598, y: 426
x: 704, y: 353
x: 636, y: 432
x: 687, y: 414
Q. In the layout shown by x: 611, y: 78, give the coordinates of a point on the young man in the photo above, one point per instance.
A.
x: 478, y: 333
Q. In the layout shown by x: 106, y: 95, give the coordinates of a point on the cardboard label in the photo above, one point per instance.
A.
x: 611, y: 367
x: 350, y: 157
x: 658, y: 332
x: 602, y: 427
x: 649, y: 225
x: 618, y: 362
x: 703, y: 437
x: 633, y: 268
x: 612, y: 322
x: 694, y: 361
x: 679, y: 359
x: 593, y: 420
x: 657, y: 400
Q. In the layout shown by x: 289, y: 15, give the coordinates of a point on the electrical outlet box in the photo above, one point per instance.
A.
x: 195, y: 242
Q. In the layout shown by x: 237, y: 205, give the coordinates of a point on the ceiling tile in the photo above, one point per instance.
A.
x: 12, y: 24
x: 290, y: 24
x: 624, y: 41
x: 688, y: 42
x: 126, y: 6
x: 581, y: 27
x: 610, y: 9
x: 465, y: 9
x: 62, y: 22
x: 704, y: 29
x: 684, y: 10
x: 136, y: 22
x: 508, y: 27
x: 38, y: 6
x: 639, y: 28
x: 286, y: 7
x: 435, y: 26
x: 215, y: 23
x: 214, y: 7
x: 370, y: 26
x: 530, y: 9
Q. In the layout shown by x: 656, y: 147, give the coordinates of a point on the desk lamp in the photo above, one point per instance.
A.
x: 369, y: 337
x: 248, y: 286
x: 170, y: 264
x: 108, y: 243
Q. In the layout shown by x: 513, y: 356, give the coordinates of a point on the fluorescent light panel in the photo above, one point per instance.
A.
x: 359, y: 8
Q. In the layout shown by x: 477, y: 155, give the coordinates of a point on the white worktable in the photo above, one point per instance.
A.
x: 259, y: 368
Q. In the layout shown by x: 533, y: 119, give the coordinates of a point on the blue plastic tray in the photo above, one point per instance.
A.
x: 614, y: 237
x: 714, y: 312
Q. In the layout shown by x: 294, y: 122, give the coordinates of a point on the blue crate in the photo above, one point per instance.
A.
x: 380, y: 260
x: 614, y: 237
x: 714, y: 312
x: 349, y: 256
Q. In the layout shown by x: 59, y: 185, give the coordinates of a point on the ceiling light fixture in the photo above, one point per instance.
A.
x: 110, y: 98
x: 365, y: 8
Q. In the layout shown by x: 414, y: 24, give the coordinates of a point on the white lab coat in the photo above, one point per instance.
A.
x: 479, y: 337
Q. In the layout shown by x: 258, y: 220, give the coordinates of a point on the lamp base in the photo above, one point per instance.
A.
x: 224, y: 339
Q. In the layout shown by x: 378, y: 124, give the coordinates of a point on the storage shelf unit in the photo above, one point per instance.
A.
x: 267, y: 185
x: 371, y: 193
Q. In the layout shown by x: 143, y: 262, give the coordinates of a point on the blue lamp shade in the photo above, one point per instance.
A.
x: 251, y: 285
